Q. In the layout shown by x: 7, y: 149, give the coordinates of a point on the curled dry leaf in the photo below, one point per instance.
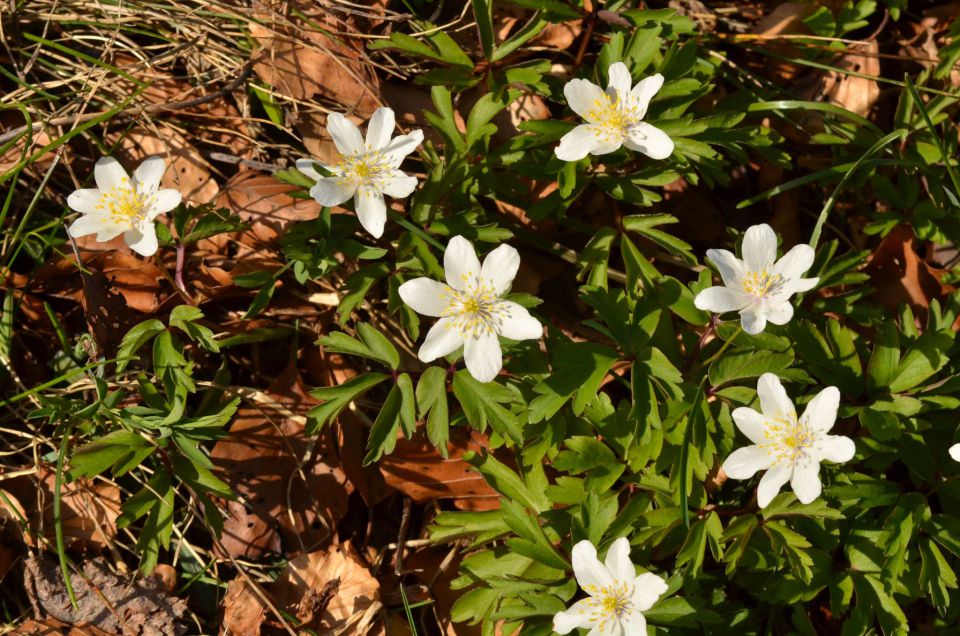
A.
x: 856, y: 94
x: 301, y: 67
x: 88, y: 509
x: 417, y: 469
x: 291, y: 490
x: 243, y: 610
x: 308, y: 579
x: 901, y: 276
x: 265, y: 204
x: 114, y: 604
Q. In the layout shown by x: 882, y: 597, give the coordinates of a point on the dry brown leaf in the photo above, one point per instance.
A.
x: 785, y: 19
x: 113, y: 603
x: 416, y: 468
x: 243, y: 610
x: 53, y: 627
x: 261, y: 461
x: 300, y: 68
x: 901, y: 276
x: 262, y: 201
x: 856, y: 94
x: 89, y: 510
x: 357, y: 600
x: 187, y: 170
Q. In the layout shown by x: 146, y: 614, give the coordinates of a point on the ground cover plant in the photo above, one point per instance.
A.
x: 421, y: 317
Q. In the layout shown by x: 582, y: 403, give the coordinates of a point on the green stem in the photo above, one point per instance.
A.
x: 724, y: 347
x: 416, y: 230
x: 926, y: 117
x: 57, y: 520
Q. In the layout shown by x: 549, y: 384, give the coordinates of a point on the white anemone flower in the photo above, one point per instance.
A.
x: 955, y: 452
x: 614, y: 118
x: 123, y: 205
x: 368, y: 168
x: 759, y: 286
x: 787, y: 447
x: 618, y: 597
x: 471, y: 309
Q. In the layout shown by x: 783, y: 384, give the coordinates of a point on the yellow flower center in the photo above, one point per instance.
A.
x: 612, y: 118
x: 475, y: 310
x: 370, y: 169
x: 125, y: 204
x: 789, y: 439
x: 762, y: 284
x: 612, y: 603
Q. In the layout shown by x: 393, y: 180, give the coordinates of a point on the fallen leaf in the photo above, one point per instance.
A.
x: 243, y: 611
x: 417, y: 469
x: 291, y: 491
x: 856, y: 94
x: 88, y: 509
x: 356, y: 602
x: 302, y: 67
x: 263, y: 202
x: 901, y: 276
x: 53, y: 627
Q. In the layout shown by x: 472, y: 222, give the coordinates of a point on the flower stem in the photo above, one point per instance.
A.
x: 178, y: 276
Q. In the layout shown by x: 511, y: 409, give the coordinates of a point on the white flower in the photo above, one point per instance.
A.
x: 368, y: 169
x: 789, y: 449
x: 614, y: 118
x: 618, y: 597
x: 471, y: 309
x: 955, y: 452
x: 120, y: 204
x: 759, y: 286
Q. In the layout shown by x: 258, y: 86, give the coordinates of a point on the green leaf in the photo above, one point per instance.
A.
x: 432, y: 404
x: 481, y: 404
x: 372, y: 344
x: 578, y: 371
x: 136, y: 338
x: 383, y: 435
x: 746, y: 363
x: 336, y: 398
x: 922, y: 360
x: 118, y: 448
x: 506, y: 482
x: 483, y: 13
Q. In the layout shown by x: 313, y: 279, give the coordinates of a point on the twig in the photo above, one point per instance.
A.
x: 402, y: 538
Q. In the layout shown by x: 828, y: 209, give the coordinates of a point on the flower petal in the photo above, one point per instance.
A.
x: 834, y: 448
x: 442, y: 340
x: 399, y: 185
x: 720, y: 300
x: 759, y: 248
x: 346, y: 136
x: 821, y: 412
x: 806, y: 480
x: 779, y: 313
x: 515, y: 322
x: 305, y: 166
x: 149, y: 172
x: 751, y: 423
x: 380, y: 128
x: 164, y: 201
x: 401, y: 146
x: 86, y: 224
x: 648, y: 139
x: 795, y: 262
x: 500, y: 268
x: 583, y: 96
x: 108, y: 173
x: 731, y: 268
x: 644, y: 91
x: 619, y: 82
x: 591, y: 574
x: 618, y: 561
x: 583, y: 140
x: 426, y: 296
x: 330, y: 191
x: 371, y: 210
x: 577, y: 616
x: 772, y: 481
x: 774, y: 402
x: 796, y: 286
x: 483, y: 356
x: 745, y: 462
x: 647, y: 589
x: 460, y: 263
x: 85, y: 200
x: 955, y: 452
x: 633, y: 624
x: 753, y: 319
x: 142, y: 240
